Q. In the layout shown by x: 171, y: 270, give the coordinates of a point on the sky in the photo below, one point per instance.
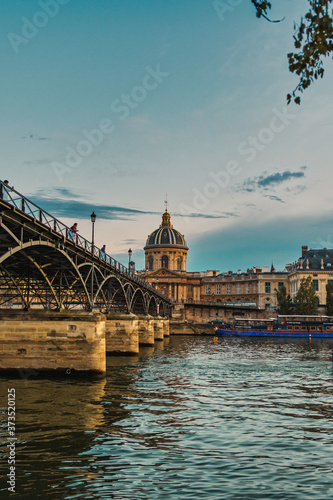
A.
x: 113, y: 106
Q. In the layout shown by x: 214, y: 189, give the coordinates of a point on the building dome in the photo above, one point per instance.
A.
x: 166, y: 235
x: 166, y: 248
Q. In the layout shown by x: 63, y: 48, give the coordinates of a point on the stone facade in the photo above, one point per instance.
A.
x: 256, y: 289
x: 317, y: 263
x: 166, y: 256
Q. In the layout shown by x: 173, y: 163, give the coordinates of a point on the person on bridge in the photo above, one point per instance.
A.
x: 73, y: 231
x: 5, y: 195
x: 102, y: 252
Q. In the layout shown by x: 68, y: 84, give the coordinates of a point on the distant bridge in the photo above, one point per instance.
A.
x: 43, y: 265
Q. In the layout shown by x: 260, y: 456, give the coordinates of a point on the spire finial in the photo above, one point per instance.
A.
x: 166, y: 202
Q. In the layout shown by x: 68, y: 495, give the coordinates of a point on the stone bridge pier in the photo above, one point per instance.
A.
x: 122, y: 333
x: 72, y: 342
x: 146, y: 330
x: 57, y: 342
x: 158, y: 328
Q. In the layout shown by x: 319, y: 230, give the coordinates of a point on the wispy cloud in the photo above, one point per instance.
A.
x: 274, y: 198
x: 132, y: 241
x: 82, y: 209
x: 222, y: 215
x: 42, y: 161
x: 36, y: 137
x: 266, y: 180
x: 63, y: 202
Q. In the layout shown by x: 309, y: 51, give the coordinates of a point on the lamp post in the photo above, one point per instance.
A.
x: 93, y: 220
x: 129, y: 260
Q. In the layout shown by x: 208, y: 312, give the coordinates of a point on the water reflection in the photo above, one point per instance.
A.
x: 187, y: 418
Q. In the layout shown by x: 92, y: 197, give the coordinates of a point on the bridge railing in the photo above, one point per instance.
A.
x: 14, y: 198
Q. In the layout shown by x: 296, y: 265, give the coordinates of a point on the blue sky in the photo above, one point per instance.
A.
x: 110, y: 105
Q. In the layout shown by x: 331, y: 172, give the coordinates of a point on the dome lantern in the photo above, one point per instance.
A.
x: 166, y: 220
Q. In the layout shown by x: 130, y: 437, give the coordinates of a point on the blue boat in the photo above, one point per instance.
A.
x: 282, y: 326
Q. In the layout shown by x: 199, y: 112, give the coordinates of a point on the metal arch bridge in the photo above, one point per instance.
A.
x: 43, y: 264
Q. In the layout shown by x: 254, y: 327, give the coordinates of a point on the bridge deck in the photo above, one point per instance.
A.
x: 43, y: 264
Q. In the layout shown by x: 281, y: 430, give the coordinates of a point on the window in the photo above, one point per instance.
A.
x: 254, y: 287
x: 228, y: 289
x: 218, y: 289
x: 304, y: 328
x: 151, y: 263
x: 179, y: 264
x: 238, y: 288
x: 207, y: 289
x: 315, y: 285
x: 247, y: 288
x: 280, y: 284
x: 165, y: 261
x: 189, y: 288
x: 330, y: 282
x: 267, y: 287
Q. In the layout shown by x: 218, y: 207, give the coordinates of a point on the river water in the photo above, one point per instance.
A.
x: 191, y: 418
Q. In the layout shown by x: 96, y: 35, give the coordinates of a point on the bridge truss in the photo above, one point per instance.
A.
x: 42, y: 264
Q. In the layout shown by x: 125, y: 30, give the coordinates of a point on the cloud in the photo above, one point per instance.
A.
x: 132, y: 241
x: 278, y: 178
x: 58, y: 193
x: 274, y: 198
x: 63, y: 202
x: 82, y: 209
x: 43, y: 161
x: 36, y: 137
x: 222, y: 215
x: 265, y: 181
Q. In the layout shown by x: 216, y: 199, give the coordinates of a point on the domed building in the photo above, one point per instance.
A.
x: 166, y: 247
x: 165, y: 263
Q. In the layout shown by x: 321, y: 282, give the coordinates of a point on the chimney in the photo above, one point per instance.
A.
x: 304, y: 250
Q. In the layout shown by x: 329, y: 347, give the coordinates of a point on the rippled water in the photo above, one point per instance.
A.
x: 191, y: 418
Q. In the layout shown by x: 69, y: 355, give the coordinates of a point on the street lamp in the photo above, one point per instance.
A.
x: 93, y: 220
x: 129, y: 260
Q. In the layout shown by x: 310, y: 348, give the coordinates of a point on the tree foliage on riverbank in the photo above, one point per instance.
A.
x: 285, y: 305
x: 313, y: 41
x: 306, y: 300
x: 329, y: 299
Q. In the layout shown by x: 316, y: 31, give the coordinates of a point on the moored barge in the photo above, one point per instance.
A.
x: 282, y: 326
